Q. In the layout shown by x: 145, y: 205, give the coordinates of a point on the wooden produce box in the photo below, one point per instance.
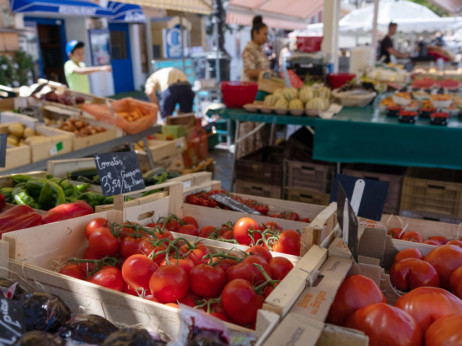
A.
x: 311, y: 175
x: 34, y: 253
x: 161, y: 149
x: 306, y: 196
x: 257, y: 189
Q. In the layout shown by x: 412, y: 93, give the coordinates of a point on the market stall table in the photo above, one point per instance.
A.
x: 363, y: 134
x: 91, y: 150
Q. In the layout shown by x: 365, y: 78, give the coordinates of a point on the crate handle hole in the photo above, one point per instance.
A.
x: 257, y: 188
x: 306, y: 196
x: 146, y: 215
x: 371, y: 178
x: 308, y: 168
x: 436, y: 187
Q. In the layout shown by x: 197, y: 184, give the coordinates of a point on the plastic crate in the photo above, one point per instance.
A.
x: 306, y: 196
x: 436, y: 192
x: 310, y: 175
x: 393, y: 175
x: 257, y: 189
x: 309, y: 44
x: 263, y: 166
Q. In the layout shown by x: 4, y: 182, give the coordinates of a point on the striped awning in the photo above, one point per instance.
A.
x: 451, y: 6
x: 193, y: 6
x: 288, y: 14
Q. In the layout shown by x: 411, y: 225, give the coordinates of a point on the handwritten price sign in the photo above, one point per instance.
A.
x: 119, y: 173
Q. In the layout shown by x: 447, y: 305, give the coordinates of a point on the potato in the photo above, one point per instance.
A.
x: 16, y: 129
x: 29, y: 132
x: 12, y: 140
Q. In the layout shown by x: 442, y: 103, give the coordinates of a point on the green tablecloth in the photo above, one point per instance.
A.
x: 363, y: 134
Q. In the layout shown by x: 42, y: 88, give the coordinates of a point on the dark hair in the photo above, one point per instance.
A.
x: 257, y: 25
x: 392, y: 24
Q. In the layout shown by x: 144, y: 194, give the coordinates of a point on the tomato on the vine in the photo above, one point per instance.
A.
x: 109, y: 277
x: 289, y: 243
x: 395, y: 232
x: 103, y: 243
x: 240, y: 301
x: 242, y: 228
x: 129, y: 246
x: 280, y: 267
x: 195, y: 251
x: 206, y: 231
x: 207, y: 281
x: 186, y: 263
x: 74, y: 270
x: 95, y: 224
x: 189, y: 220
x: 260, y: 251
x: 169, y: 284
x: 188, y: 229
x: 137, y: 270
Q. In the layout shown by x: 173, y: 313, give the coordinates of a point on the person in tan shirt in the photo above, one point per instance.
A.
x: 167, y: 87
x: 254, y: 59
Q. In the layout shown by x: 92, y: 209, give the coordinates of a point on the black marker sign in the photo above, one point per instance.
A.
x: 3, y: 145
x: 119, y: 173
x: 11, y: 321
x: 232, y: 204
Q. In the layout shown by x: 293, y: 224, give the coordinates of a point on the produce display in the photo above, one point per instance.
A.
x: 63, y: 98
x: 203, y: 198
x: 80, y: 128
x: 309, y: 100
x: 49, y: 192
x: 19, y: 135
x: 49, y: 321
x: 148, y: 262
x: 433, y: 286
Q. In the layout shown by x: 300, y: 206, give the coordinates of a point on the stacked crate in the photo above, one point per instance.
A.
x: 432, y: 194
x: 393, y: 175
x: 260, y: 173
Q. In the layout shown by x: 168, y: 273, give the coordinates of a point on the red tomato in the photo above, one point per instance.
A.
x: 242, y: 228
x: 109, y: 277
x: 196, y: 252
x: 289, y: 243
x: 240, y: 301
x: 259, y: 251
x: 408, y: 253
x: 455, y: 242
x: 207, y: 281
x: 427, y: 304
x: 455, y: 282
x: 439, y: 238
x: 273, y: 226
x: 268, y: 289
x: 137, y: 270
x: 185, y: 263
x: 280, y: 267
x: 129, y: 290
x: 445, y: 259
x: 206, y: 231
x: 246, y: 270
x: 188, y: 229
x: 386, y: 325
x: 411, y: 273
x: 129, y: 246
x: 445, y: 331
x: 169, y: 284
x: 103, y: 243
x: 224, y: 263
x: 431, y: 242
x: 355, y: 292
x: 172, y: 225
x: 412, y: 236
x: 94, y: 224
x: 395, y: 232
x: 189, y: 220
x: 148, y: 249
x: 74, y: 270
x: 229, y: 234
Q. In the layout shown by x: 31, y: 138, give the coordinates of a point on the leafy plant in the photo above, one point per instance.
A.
x: 16, y: 71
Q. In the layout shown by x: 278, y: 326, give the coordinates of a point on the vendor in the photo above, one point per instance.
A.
x: 167, y: 87
x: 386, y: 46
x: 254, y: 59
x: 75, y: 70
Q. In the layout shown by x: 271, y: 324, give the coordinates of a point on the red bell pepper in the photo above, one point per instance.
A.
x: 67, y: 211
x: 13, y: 213
x: 2, y: 201
x: 20, y: 222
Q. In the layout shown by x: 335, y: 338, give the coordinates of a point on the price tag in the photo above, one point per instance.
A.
x: 56, y: 148
x: 11, y: 321
x: 348, y: 222
x: 3, y: 146
x: 119, y: 173
x: 367, y: 196
x: 233, y: 204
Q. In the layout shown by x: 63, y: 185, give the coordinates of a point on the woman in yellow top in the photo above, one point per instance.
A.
x: 255, y: 60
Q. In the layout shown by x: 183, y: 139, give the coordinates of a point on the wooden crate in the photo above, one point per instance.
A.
x: 433, y: 191
x: 17, y: 157
x: 54, y: 142
x: 257, y: 189
x: 161, y: 149
x: 306, y: 196
x: 308, y: 175
x: 263, y: 166
x: 34, y: 253
x: 392, y: 175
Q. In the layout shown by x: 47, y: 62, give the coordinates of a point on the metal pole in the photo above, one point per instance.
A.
x: 182, y: 42
x: 374, y: 32
x: 217, y: 52
x: 149, y: 45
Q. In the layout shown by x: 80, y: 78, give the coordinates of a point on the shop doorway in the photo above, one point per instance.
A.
x: 52, y: 42
x: 121, y: 59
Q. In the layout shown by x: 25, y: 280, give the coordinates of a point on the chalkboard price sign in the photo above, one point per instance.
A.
x: 11, y: 321
x: 3, y: 145
x: 119, y: 173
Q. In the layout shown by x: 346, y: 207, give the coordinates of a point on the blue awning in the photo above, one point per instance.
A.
x: 60, y: 7
x: 126, y: 13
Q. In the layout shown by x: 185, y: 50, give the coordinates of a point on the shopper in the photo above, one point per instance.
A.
x: 386, y: 46
x: 75, y: 69
x: 254, y: 59
x: 167, y: 87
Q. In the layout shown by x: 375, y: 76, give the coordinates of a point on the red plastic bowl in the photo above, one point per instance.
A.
x: 309, y: 44
x: 337, y: 80
x: 237, y: 94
